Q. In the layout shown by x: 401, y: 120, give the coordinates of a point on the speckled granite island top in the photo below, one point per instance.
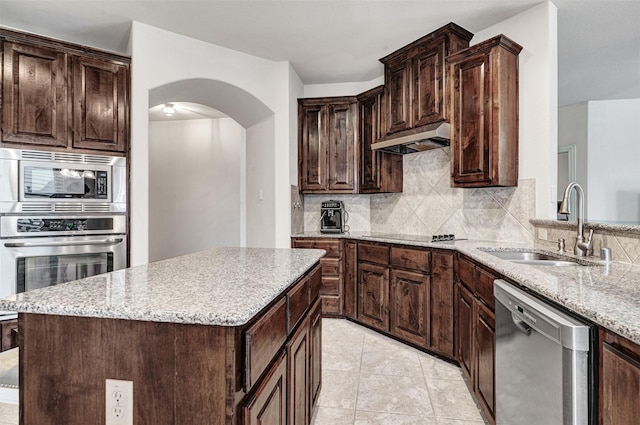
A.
x: 607, y: 295
x: 222, y: 286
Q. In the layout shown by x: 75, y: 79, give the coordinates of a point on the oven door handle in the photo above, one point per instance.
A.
x: 68, y: 243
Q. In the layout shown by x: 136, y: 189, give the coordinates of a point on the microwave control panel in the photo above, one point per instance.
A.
x: 37, y: 225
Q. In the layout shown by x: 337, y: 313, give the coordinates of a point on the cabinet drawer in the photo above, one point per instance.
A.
x: 263, y: 340
x: 330, y: 305
x: 378, y: 254
x: 315, y: 282
x: 330, y: 266
x: 330, y: 286
x: 484, y: 287
x: 408, y: 258
x: 298, y: 299
x: 332, y: 246
x: 465, y: 273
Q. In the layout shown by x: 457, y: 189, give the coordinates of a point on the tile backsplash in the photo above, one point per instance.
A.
x: 428, y: 205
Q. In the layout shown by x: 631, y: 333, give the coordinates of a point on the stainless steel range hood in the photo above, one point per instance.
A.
x: 430, y: 137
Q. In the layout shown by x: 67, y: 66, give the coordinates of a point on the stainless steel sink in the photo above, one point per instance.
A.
x: 532, y: 258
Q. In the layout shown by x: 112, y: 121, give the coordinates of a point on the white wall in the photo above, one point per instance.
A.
x: 536, y: 30
x: 160, y: 57
x: 260, y: 195
x: 614, y: 151
x: 572, y: 130
x: 195, y: 186
x: 341, y: 89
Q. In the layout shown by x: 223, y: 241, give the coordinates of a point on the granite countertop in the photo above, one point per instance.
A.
x: 608, y: 295
x: 222, y: 286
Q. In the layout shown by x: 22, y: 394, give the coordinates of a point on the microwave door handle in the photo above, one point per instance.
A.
x: 71, y: 243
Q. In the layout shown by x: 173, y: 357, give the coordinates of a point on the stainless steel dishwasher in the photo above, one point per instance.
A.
x: 542, y: 362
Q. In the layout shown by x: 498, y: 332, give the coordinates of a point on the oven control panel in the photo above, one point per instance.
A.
x: 39, y: 225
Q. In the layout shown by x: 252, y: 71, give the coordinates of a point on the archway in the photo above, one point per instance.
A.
x: 200, y: 171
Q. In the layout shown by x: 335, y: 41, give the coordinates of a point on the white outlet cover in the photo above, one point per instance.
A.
x: 118, y: 402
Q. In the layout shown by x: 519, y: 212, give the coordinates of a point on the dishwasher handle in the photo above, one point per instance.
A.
x: 521, y: 325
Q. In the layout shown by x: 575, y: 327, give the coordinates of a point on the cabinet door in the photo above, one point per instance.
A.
x: 350, y: 279
x: 34, y: 96
x: 398, y: 95
x: 268, y: 406
x: 464, y: 329
x: 312, y: 147
x: 341, y: 139
x: 369, y: 132
x: 619, y: 381
x: 315, y: 369
x: 299, y: 377
x: 9, y: 334
x: 373, y: 295
x: 428, y: 94
x: 441, y: 304
x: 470, y: 140
x: 100, y: 104
x: 485, y: 356
x: 409, y: 306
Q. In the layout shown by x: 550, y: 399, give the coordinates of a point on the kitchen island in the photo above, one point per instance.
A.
x: 225, y: 336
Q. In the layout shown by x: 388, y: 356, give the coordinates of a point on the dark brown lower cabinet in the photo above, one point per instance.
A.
x: 485, y: 356
x: 350, y: 302
x: 315, y: 369
x: 269, y: 406
x: 299, y: 384
x: 373, y: 297
x: 441, y: 300
x: 619, y: 380
x: 464, y: 329
x: 409, y: 292
x: 9, y: 338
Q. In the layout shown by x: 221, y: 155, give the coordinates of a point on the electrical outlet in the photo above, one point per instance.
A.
x: 118, y: 402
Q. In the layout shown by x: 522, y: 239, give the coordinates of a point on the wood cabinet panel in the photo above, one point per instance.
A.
x: 9, y: 329
x: 466, y: 273
x: 332, y: 246
x: 299, y: 385
x: 330, y: 266
x: 331, y: 305
x: 398, y: 91
x: 484, y: 114
x: 350, y: 305
x: 298, y: 300
x: 378, y: 254
x: 380, y: 172
x: 330, y: 286
x: 269, y: 404
x: 373, y: 295
x: 411, y: 258
x: 263, y: 340
x: 485, y: 341
x: 315, y: 369
x: 408, y: 308
x: 342, y: 164
x: 315, y: 282
x: 100, y: 104
x: 327, y: 145
x: 34, y: 95
x: 619, y: 380
x: 428, y: 93
x: 441, y: 302
x: 484, y: 287
x: 313, y: 154
x: 465, y: 330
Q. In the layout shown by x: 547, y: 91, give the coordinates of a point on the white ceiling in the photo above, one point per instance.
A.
x: 331, y: 41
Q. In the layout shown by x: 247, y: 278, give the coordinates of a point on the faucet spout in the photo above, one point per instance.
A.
x: 582, y: 247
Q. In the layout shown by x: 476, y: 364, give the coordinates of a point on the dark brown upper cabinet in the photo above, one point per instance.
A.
x: 327, y: 145
x: 415, y: 81
x: 379, y: 171
x: 63, y: 97
x: 34, y: 95
x: 100, y: 107
x: 484, y: 114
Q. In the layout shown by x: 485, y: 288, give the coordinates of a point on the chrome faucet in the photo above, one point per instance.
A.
x: 583, y: 247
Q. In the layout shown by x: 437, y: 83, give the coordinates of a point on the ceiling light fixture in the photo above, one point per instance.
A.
x: 168, y: 109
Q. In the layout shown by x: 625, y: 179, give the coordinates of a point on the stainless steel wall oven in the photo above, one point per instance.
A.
x: 62, y: 218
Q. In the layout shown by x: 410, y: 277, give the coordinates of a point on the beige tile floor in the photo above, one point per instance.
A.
x: 369, y: 379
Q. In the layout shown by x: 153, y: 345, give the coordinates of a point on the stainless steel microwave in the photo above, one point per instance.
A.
x: 41, y: 181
